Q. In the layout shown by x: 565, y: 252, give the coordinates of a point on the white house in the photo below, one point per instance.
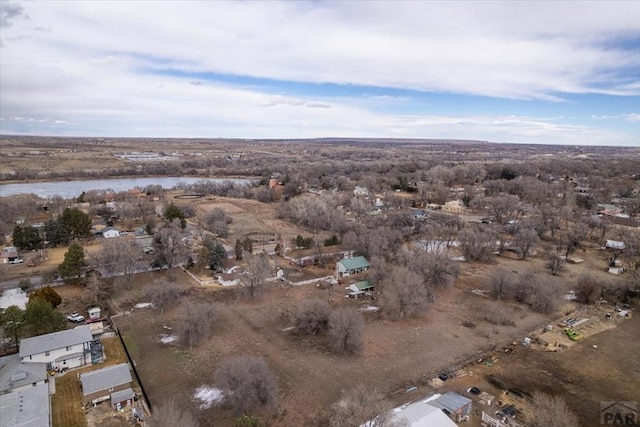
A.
x: 110, y: 232
x: 421, y: 414
x: 348, y: 266
x: 453, y: 206
x: 360, y: 191
x: 65, y: 349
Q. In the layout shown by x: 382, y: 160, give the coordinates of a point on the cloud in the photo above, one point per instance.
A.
x: 109, y: 67
x: 9, y: 11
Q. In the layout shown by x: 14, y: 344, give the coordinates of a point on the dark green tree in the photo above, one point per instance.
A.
x: 216, y: 254
x: 174, y: 212
x: 55, y: 233
x: 12, y: 321
x: 278, y: 249
x: 238, y: 249
x: 42, y: 318
x: 73, y: 262
x: 48, y: 294
x: 26, y: 238
x: 76, y: 223
x: 248, y: 245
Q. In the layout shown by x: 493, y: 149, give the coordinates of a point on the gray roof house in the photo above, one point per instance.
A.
x: 69, y: 348
x: 421, y: 414
x: 100, y: 384
x: 24, y: 393
x: 452, y: 404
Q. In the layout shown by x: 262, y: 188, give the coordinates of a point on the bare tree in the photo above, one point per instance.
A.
x: 544, y: 295
x: 116, y: 257
x: 501, y: 282
x: 362, y: 405
x: 96, y: 290
x: 437, y: 271
x: 163, y: 294
x: 346, y: 327
x: 525, y: 239
x: 554, y: 262
x: 255, y: 276
x: 217, y: 221
x: 505, y: 207
x: 313, y: 317
x: 477, y: 243
x: 551, y: 411
x: 403, y: 294
x: 587, y: 288
x: 172, y: 245
x: 170, y: 414
x: 195, y: 324
x: 247, y: 382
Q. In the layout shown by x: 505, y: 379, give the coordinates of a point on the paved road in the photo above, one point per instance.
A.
x: 36, y: 281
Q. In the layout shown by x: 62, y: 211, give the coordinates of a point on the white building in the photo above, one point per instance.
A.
x: 65, y: 349
x: 24, y: 393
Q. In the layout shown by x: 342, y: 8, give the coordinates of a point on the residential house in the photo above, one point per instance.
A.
x: 8, y: 254
x: 360, y: 191
x: 359, y: 288
x: 452, y: 404
x: 24, y: 393
x: 454, y: 206
x: 99, y: 385
x: 65, y: 349
x: 421, y: 414
x: 110, y: 232
x: 348, y: 266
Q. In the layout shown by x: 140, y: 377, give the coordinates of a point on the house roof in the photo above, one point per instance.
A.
x: 105, y: 378
x: 450, y: 401
x: 15, y: 374
x: 355, y: 263
x: 28, y: 407
x: 56, y: 340
x: 122, y: 395
x: 422, y: 414
x: 363, y: 285
x: 614, y: 244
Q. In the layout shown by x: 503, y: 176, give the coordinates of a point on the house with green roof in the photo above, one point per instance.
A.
x: 348, y: 266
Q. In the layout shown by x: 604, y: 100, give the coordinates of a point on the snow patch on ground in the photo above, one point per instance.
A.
x: 209, y: 396
x: 143, y: 305
x: 370, y: 308
x: 290, y: 328
x: 167, y: 338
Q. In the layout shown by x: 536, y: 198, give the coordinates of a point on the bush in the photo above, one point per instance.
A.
x: 313, y: 317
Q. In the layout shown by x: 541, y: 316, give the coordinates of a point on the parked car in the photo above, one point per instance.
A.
x: 16, y: 261
x: 75, y: 318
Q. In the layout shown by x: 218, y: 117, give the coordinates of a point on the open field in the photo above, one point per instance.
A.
x: 396, y: 354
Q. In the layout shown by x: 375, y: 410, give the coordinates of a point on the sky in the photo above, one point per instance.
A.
x: 549, y: 72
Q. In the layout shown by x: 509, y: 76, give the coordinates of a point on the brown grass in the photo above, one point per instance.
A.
x: 67, y: 403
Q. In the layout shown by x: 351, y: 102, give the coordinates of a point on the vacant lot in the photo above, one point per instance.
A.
x: 396, y: 354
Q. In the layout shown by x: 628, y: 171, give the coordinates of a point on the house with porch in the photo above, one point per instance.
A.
x: 348, y: 266
x: 363, y: 287
x: 8, y: 254
x: 110, y: 383
x: 59, y: 350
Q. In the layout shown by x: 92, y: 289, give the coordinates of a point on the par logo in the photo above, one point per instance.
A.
x: 614, y: 413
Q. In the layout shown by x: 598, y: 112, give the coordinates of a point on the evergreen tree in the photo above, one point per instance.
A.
x: 238, y: 249
x: 48, y: 294
x: 12, y: 321
x: 174, y: 212
x: 42, y: 318
x: 73, y: 262
x: 76, y: 223
x: 248, y: 245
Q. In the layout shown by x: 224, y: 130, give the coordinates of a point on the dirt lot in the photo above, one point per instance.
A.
x: 396, y: 354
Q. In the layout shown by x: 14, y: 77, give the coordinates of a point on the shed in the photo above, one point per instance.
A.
x: 361, y: 286
x: 122, y: 398
x: 614, y: 244
x: 452, y: 404
x: 421, y: 414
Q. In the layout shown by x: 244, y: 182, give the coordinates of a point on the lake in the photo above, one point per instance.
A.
x: 68, y: 189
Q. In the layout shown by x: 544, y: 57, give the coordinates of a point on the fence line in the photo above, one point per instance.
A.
x: 133, y: 365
